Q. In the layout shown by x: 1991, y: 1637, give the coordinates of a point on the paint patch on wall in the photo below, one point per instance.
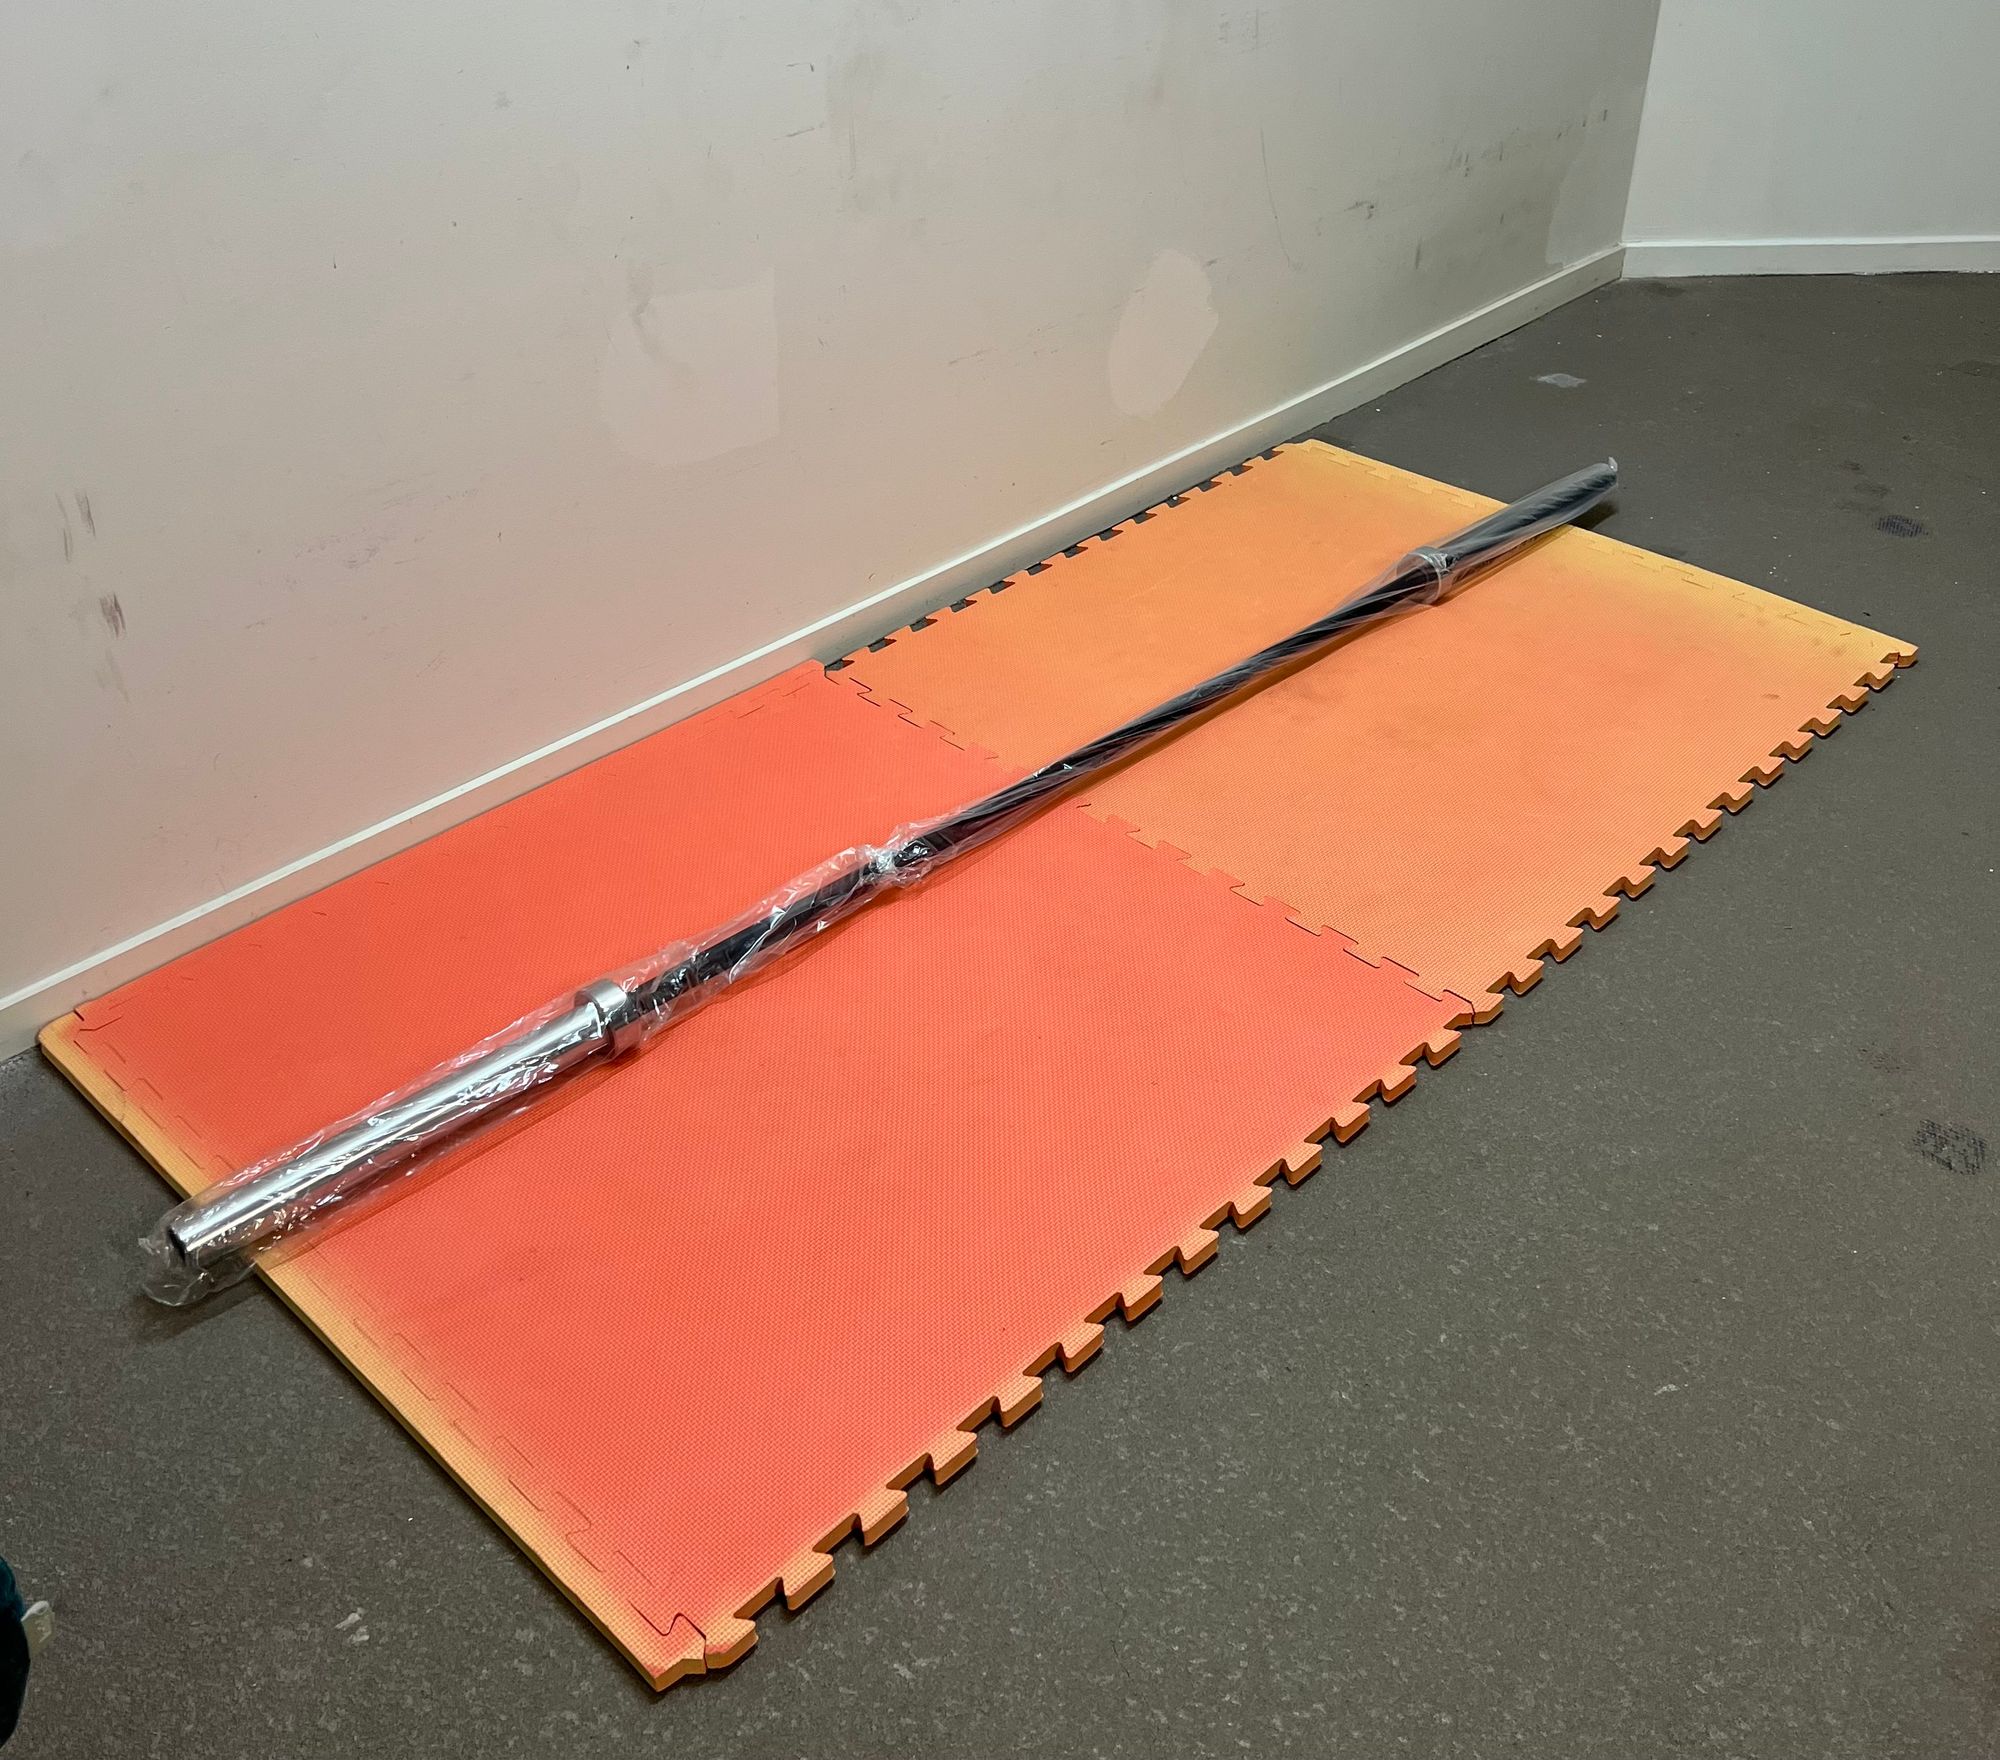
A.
x: 692, y: 375
x: 1161, y: 334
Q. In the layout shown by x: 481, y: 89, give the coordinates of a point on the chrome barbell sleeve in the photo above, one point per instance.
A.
x: 214, y: 1231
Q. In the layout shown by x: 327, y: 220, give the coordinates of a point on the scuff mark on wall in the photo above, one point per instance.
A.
x: 692, y: 375
x: 84, y: 512
x: 1271, y: 201
x: 112, y: 612
x: 1165, y: 326
x: 1524, y: 201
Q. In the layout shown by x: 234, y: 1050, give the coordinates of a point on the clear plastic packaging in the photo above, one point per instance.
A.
x: 340, y: 1172
x: 343, y: 1170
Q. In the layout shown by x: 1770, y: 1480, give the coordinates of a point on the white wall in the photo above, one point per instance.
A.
x: 1819, y: 134
x: 388, y: 390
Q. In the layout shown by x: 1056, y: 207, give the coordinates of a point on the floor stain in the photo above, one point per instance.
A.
x: 1951, y: 1146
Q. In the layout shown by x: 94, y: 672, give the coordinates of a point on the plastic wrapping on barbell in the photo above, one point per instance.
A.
x: 284, y: 1201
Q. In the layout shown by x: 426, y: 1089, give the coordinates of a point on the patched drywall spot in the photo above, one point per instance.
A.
x: 694, y: 374
x: 1161, y: 334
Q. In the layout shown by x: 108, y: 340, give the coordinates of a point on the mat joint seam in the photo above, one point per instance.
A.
x: 813, y: 1569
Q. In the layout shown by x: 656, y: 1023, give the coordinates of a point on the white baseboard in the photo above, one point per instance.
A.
x: 24, y: 1012
x: 1655, y: 259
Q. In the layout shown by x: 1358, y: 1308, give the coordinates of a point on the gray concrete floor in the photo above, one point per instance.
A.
x: 1630, y: 1390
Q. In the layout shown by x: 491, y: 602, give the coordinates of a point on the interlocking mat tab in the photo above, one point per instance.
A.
x: 711, y: 1310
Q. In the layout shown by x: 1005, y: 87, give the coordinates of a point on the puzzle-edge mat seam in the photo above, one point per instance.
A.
x: 1597, y: 909
x: 505, y: 1490
x: 687, y: 1647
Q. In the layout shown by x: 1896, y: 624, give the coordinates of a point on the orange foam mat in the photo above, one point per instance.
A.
x: 687, y: 1327
x: 1459, y: 790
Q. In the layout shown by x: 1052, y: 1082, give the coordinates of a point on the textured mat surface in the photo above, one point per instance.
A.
x: 1459, y: 790
x: 687, y: 1328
